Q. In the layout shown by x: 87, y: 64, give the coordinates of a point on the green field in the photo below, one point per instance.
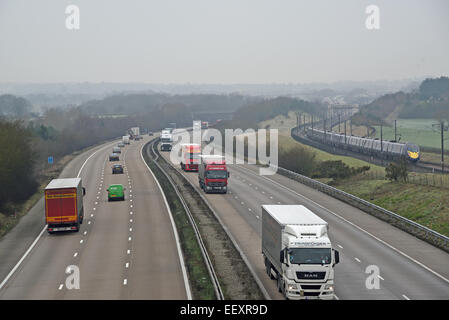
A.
x: 418, y: 131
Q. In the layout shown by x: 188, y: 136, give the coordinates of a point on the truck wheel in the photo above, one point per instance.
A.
x: 77, y: 227
x: 279, y: 283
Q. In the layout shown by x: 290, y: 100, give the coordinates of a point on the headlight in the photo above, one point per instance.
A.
x: 329, y: 287
x: 292, y: 286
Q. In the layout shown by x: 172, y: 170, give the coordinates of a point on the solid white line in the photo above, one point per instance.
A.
x: 42, y: 231
x: 356, y: 226
x: 178, y: 244
x: 23, y: 258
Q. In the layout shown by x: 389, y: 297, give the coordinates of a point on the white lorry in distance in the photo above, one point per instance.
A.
x: 125, y: 139
x: 166, y: 141
x: 197, y: 125
x: 135, y: 131
x: 298, y: 252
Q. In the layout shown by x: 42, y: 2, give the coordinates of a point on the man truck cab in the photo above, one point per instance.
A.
x: 213, y: 174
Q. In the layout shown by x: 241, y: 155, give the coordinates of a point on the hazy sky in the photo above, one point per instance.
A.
x: 222, y: 41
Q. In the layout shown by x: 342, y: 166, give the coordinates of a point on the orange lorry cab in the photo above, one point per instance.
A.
x: 64, y: 209
x: 190, y: 156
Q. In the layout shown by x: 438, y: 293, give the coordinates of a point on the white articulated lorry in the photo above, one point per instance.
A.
x: 298, y: 252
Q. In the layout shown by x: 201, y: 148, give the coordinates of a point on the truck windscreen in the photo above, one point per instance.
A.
x: 216, y: 174
x: 310, y: 255
x: 194, y: 155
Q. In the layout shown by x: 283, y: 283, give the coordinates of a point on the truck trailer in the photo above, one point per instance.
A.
x: 298, y: 252
x: 64, y: 210
x: 125, y: 139
x: 213, y: 174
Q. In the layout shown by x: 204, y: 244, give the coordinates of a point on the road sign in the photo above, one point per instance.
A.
x: 50, y: 160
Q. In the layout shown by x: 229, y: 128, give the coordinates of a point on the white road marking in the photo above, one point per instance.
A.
x: 43, y: 229
x: 249, y: 209
x: 405, y: 297
x: 357, y: 259
x: 85, y: 232
x: 127, y: 265
x: 131, y: 229
x: 96, y: 202
x: 91, y: 215
x: 130, y: 220
x: 129, y: 239
x: 61, y: 286
x: 130, y: 205
x: 380, y: 277
x: 130, y: 212
x: 175, y: 232
x: 81, y: 241
x: 75, y: 254
x: 128, y: 252
x: 94, y: 209
x: 340, y: 246
x: 257, y: 217
x: 125, y: 281
x: 356, y: 226
x: 88, y: 222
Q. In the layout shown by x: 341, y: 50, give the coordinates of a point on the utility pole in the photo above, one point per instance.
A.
x: 345, y: 131
x: 395, y: 132
x: 350, y: 126
x: 381, y: 146
x: 312, y: 122
x: 442, y: 146
x: 304, y: 121
x: 339, y: 123
x: 324, y: 123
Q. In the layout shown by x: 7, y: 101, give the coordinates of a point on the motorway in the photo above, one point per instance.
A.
x: 408, y: 267
x: 124, y: 249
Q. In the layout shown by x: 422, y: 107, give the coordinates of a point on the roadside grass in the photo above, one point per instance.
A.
x: 426, y: 205
x: 418, y: 131
x: 8, y: 222
x: 199, y: 278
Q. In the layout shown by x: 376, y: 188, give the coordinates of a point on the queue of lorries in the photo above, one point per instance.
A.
x: 296, y: 248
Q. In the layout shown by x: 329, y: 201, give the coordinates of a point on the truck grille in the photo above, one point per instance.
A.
x: 310, y: 275
x: 311, y: 294
x: 216, y: 184
x: 310, y: 287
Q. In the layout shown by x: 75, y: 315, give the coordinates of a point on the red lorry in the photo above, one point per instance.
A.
x: 190, y: 156
x: 213, y: 174
x: 64, y: 209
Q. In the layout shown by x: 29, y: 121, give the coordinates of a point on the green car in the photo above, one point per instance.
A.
x: 116, y: 192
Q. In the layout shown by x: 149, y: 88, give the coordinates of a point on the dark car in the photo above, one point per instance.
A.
x: 114, y: 157
x: 117, y: 168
